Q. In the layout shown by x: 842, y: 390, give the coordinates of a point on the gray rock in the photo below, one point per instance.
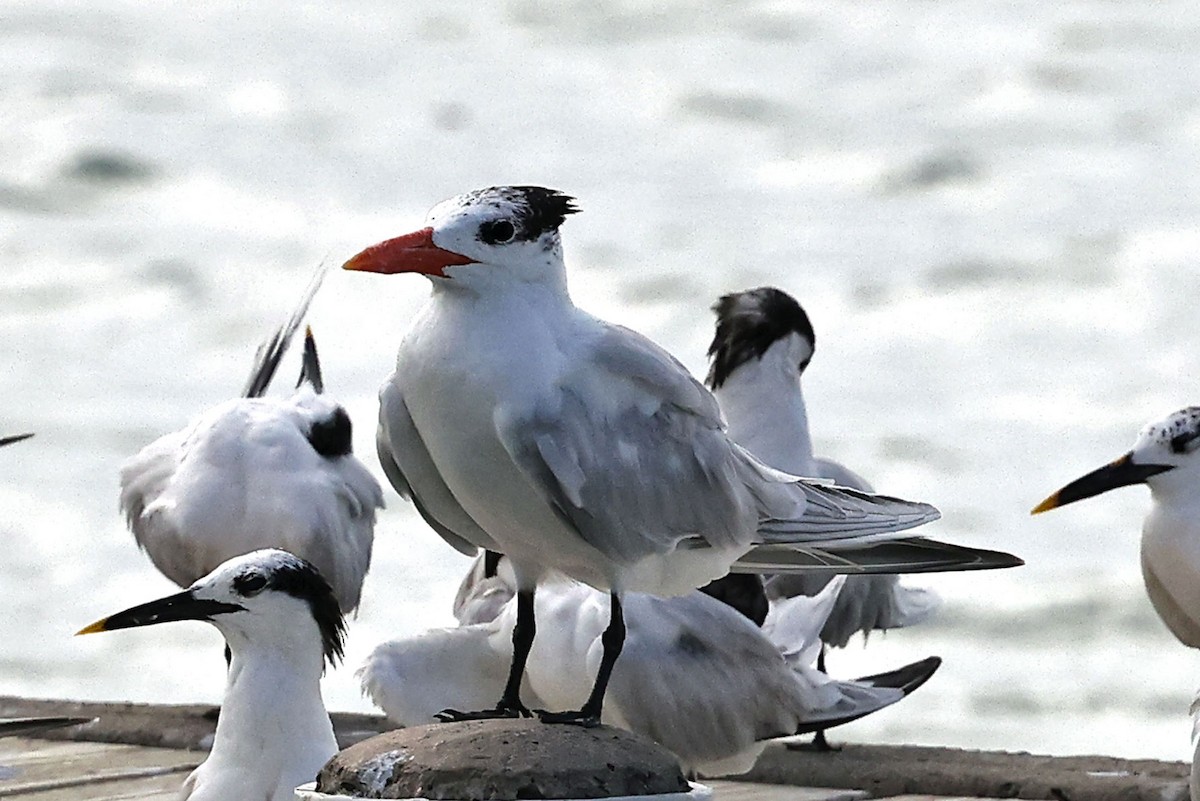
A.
x: 503, y: 760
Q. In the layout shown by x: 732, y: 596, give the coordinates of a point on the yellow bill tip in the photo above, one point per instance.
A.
x: 1046, y: 505
x: 99, y: 625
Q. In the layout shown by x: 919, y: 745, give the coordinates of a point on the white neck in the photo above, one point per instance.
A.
x: 764, y: 408
x: 273, y: 732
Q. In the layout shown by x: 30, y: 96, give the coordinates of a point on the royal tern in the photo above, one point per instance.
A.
x: 518, y: 423
x: 258, y: 472
x: 695, y: 675
x: 282, y: 624
x: 1165, y: 459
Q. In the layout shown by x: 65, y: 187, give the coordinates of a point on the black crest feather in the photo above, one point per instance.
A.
x: 298, y: 578
x: 537, y: 210
x: 748, y: 323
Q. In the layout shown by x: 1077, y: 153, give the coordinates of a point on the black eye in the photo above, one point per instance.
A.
x: 250, y: 584
x: 1185, y: 442
x: 497, y: 232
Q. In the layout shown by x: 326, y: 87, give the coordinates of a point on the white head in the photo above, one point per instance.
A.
x: 264, y: 599
x: 1166, y: 457
x: 765, y: 328
x: 498, y: 234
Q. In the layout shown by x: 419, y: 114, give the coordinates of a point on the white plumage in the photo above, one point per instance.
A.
x: 695, y: 675
x: 255, y: 473
x: 282, y: 624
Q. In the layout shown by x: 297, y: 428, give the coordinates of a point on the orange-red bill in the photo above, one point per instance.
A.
x: 411, y: 253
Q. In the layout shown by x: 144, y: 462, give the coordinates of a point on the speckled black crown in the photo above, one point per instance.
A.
x: 537, y: 210
x: 298, y: 578
x: 748, y: 323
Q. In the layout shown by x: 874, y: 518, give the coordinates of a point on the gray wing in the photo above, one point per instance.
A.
x: 637, y: 461
x: 701, y: 679
x: 634, y: 458
x: 841, y: 475
x: 410, y: 469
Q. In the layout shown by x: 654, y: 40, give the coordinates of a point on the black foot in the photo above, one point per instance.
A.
x: 501, y: 711
x: 818, y: 744
x: 579, y: 717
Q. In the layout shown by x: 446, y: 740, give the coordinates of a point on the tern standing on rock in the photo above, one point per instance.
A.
x: 258, y: 472
x: 519, y: 423
x: 282, y: 625
x: 1165, y: 458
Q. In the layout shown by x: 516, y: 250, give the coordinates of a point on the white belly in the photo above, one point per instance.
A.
x: 1171, y: 569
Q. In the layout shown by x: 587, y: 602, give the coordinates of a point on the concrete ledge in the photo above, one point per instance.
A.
x: 885, y: 771
x: 187, y: 726
x: 880, y: 770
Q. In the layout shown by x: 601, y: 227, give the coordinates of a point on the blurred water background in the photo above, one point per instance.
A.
x: 991, y: 212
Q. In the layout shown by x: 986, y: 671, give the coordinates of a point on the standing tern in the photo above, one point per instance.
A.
x: 1165, y: 459
x: 258, y: 472
x: 695, y: 675
x: 518, y: 423
x: 764, y: 342
x: 282, y: 624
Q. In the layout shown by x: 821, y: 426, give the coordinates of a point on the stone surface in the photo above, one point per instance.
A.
x: 503, y: 760
x: 904, y: 770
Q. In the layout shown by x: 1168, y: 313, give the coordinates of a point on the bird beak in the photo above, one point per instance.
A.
x: 182, y: 606
x: 411, y: 253
x: 1120, y: 473
x: 310, y: 365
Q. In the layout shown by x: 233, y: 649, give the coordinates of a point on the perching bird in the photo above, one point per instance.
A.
x: 1165, y: 459
x: 282, y: 624
x: 258, y: 472
x: 695, y: 675
x: 518, y: 423
x: 764, y: 342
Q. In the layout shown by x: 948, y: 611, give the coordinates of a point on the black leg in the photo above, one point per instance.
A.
x: 819, y: 743
x: 612, y: 640
x: 510, y: 705
x: 491, y: 564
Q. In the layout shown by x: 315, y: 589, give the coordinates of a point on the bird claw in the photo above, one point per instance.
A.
x: 575, y: 718
x: 499, y: 712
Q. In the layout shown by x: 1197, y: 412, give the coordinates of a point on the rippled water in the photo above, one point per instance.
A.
x: 990, y: 211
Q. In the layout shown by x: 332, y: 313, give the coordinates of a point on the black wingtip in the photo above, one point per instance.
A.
x: 906, y: 679
x: 310, y: 365
x: 14, y: 438
x: 266, y: 362
x: 11, y: 727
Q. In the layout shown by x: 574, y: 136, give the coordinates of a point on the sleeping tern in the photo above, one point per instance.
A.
x: 695, y: 675
x: 258, y: 472
x: 763, y: 344
x: 1165, y: 459
x: 282, y: 624
x: 519, y: 423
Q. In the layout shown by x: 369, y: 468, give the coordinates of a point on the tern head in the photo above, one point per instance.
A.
x: 262, y: 597
x: 1164, y: 458
x: 514, y: 228
x: 750, y: 323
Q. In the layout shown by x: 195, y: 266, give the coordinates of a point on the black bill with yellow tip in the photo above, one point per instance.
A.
x: 1120, y: 473
x: 181, y: 606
